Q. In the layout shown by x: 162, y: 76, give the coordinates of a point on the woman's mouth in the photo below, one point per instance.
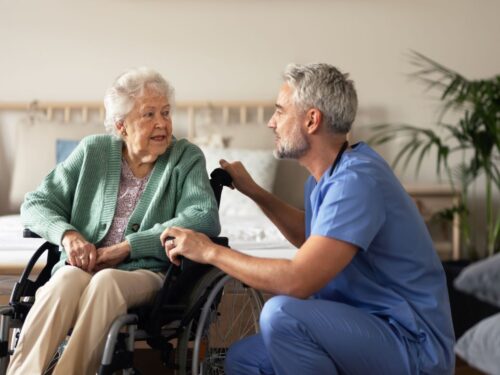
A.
x: 159, y: 138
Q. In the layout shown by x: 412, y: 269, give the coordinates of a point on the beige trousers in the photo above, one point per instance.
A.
x: 73, y: 298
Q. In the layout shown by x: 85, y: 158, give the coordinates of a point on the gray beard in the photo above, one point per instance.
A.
x: 294, y: 152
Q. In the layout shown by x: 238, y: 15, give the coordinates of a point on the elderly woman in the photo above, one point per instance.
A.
x: 106, y: 205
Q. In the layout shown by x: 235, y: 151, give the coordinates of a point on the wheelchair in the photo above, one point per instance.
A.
x: 194, y: 318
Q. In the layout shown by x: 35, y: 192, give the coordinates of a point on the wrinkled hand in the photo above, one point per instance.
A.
x: 242, y: 180
x: 111, y: 256
x: 81, y: 253
x: 185, y: 242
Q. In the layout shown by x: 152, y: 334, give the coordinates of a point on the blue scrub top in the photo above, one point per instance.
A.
x: 396, y: 274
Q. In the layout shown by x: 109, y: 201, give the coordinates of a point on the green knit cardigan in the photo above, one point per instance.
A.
x: 81, y: 194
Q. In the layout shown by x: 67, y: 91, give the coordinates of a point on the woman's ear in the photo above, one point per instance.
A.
x: 313, y: 120
x: 120, y: 127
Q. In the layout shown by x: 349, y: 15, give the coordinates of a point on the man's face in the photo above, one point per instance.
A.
x: 288, y: 124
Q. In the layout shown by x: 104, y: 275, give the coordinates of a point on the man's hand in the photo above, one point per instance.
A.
x: 81, y: 253
x: 111, y: 256
x: 188, y: 243
x: 242, y: 180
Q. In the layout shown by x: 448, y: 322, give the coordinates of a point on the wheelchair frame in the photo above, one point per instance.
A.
x: 175, y: 314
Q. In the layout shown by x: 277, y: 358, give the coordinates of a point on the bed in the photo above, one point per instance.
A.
x: 46, y: 132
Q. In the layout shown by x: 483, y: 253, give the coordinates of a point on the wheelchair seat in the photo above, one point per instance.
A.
x: 195, y: 316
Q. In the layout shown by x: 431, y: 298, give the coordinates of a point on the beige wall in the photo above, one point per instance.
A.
x: 222, y: 49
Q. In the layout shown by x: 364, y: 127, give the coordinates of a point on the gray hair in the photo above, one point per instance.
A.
x: 324, y: 87
x: 120, y: 97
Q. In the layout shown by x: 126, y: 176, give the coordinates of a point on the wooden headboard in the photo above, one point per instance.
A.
x: 224, y: 112
x: 240, y: 124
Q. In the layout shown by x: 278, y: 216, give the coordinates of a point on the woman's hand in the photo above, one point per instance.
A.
x: 241, y: 178
x: 81, y: 253
x: 111, y: 256
x: 188, y: 243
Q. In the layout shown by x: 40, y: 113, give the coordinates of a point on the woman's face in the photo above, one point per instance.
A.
x: 147, y: 129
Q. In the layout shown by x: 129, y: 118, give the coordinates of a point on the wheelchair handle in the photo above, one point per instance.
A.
x: 221, y: 177
x: 218, y: 179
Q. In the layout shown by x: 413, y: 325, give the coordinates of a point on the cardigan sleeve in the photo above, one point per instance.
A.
x: 196, y: 208
x: 47, y: 210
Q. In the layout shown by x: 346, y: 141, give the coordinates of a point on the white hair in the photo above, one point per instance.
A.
x: 120, y: 97
x: 324, y: 87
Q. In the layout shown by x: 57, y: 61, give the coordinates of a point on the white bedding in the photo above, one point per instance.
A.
x: 254, y: 235
x: 14, y: 249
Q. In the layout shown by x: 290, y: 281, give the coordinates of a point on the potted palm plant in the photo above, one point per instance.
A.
x: 474, y: 136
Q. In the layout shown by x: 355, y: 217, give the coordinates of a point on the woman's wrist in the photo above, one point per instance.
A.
x: 68, y: 237
x: 124, y: 247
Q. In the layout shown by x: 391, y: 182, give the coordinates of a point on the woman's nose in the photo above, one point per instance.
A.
x: 161, y: 121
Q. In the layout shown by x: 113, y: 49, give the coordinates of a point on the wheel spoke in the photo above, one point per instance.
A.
x: 233, y: 315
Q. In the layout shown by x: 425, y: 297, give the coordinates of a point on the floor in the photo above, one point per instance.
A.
x: 148, y: 361
x: 6, y: 285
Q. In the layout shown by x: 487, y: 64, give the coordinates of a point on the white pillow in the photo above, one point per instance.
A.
x: 482, y: 280
x: 36, y: 152
x: 480, y: 345
x: 261, y: 164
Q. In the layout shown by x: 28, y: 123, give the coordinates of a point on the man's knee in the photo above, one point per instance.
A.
x: 236, y: 354
x: 248, y: 356
x: 274, y: 317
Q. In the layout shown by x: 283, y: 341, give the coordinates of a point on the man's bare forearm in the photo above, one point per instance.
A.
x: 288, y: 219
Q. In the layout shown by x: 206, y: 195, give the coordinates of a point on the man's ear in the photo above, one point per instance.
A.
x: 314, y: 118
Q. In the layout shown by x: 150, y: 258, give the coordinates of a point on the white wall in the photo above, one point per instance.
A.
x: 222, y: 49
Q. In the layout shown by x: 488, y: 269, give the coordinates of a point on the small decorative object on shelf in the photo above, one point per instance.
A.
x: 432, y: 201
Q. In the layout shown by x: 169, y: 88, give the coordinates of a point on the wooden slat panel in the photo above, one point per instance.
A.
x: 88, y: 110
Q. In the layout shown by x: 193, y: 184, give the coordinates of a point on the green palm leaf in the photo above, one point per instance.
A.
x: 477, y: 131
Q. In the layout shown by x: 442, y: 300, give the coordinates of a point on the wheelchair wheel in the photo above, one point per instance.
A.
x: 52, y: 363
x: 230, y: 313
x: 10, y: 330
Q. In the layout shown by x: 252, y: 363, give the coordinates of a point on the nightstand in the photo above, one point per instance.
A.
x: 430, y: 200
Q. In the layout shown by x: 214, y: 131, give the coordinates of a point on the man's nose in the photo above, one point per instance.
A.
x: 271, y: 123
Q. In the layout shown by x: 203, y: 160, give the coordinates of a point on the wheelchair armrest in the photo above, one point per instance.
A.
x: 27, y: 233
x: 25, y: 286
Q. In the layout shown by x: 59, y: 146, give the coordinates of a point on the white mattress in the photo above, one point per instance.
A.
x: 14, y: 249
x: 254, y: 235
x: 257, y: 236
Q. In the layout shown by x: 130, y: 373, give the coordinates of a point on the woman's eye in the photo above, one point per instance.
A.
x: 166, y: 113
x: 149, y: 114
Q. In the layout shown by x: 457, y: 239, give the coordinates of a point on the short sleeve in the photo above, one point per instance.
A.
x: 348, y: 207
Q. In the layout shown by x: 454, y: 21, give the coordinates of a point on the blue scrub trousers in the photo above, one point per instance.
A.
x: 321, y: 337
